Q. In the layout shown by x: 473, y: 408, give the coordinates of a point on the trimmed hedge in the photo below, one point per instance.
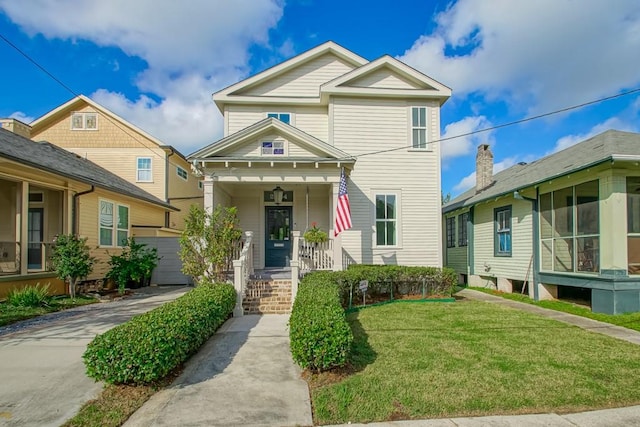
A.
x: 318, y: 330
x: 403, y: 279
x: 149, y: 346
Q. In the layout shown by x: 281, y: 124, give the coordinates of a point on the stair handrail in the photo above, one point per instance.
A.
x: 242, y: 271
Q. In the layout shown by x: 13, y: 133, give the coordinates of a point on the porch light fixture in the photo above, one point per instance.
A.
x: 278, y: 193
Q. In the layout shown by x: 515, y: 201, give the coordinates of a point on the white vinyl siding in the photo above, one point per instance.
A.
x: 113, y: 223
x: 359, y: 126
x: 311, y: 120
x: 304, y: 80
x: 383, y: 79
x: 144, y: 171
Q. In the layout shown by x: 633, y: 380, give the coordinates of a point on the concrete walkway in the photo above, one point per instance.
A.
x: 42, y: 376
x: 243, y: 376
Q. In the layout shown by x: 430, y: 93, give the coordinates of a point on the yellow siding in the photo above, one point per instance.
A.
x: 383, y: 78
x: 304, y: 80
x: 513, y: 267
x: 362, y: 126
x: 140, y: 214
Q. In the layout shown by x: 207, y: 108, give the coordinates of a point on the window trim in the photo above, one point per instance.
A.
x: 178, y: 169
x: 463, y: 230
x: 116, y: 220
x: 398, y: 220
x: 496, y: 240
x: 279, y: 113
x: 450, y: 232
x: 138, y: 170
x: 84, y: 115
x: 427, y: 145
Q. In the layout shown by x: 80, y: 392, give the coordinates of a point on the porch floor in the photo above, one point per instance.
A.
x: 278, y: 273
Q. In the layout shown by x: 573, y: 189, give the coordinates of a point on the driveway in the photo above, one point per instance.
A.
x: 42, y: 374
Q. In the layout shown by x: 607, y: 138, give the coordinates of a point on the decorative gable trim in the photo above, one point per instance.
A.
x: 228, y: 94
x: 268, y: 125
x: 430, y: 88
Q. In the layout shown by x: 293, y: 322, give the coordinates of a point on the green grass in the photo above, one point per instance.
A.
x: 470, y: 359
x: 628, y: 320
x: 10, y: 314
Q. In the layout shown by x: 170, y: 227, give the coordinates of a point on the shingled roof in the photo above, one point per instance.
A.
x: 50, y: 158
x: 611, y: 145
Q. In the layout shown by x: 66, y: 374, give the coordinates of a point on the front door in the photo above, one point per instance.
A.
x: 35, y: 234
x: 277, y: 236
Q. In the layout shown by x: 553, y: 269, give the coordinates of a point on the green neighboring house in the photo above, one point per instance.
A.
x: 565, y: 225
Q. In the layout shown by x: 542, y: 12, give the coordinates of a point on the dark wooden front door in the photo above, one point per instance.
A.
x: 277, y: 236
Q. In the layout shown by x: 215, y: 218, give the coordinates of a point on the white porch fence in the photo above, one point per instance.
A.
x: 242, y: 271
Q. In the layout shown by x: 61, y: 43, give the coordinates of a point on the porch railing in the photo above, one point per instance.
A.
x: 316, y: 256
x: 242, y: 271
x: 9, y: 257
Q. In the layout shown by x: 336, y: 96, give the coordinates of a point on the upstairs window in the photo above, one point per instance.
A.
x: 143, y: 170
x: 419, y: 127
x: 84, y: 121
x: 283, y: 117
x: 273, y: 148
x: 463, y: 239
x: 502, y: 242
x: 182, y: 173
x: 451, y: 232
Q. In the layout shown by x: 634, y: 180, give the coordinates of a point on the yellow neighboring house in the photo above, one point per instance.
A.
x: 46, y: 191
x: 93, y: 132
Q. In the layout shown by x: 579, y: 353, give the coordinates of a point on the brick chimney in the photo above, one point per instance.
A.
x: 484, y: 167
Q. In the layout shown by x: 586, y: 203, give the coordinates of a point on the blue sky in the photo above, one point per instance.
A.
x: 505, y: 60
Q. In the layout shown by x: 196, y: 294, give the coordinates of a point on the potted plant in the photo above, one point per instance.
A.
x: 315, y: 234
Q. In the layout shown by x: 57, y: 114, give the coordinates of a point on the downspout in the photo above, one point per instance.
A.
x: 167, y: 214
x: 75, y: 208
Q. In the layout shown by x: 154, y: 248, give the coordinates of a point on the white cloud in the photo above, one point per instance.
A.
x: 612, y: 123
x: 469, y: 181
x: 19, y: 115
x: 192, y: 49
x: 537, y: 55
x: 463, y: 145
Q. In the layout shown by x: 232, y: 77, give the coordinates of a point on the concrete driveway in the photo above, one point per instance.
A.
x: 42, y: 376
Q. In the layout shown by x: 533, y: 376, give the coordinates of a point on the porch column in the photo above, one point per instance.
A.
x: 22, y: 224
x: 238, y: 280
x: 207, y: 188
x: 337, y: 252
x: 613, y: 232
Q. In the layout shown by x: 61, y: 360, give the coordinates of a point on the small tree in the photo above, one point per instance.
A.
x: 207, y: 242
x: 72, y: 260
x: 135, y: 264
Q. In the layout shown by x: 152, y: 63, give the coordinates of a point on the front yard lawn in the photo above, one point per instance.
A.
x: 627, y: 320
x: 10, y: 314
x: 470, y: 359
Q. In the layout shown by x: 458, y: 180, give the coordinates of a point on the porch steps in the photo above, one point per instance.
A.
x: 268, y: 297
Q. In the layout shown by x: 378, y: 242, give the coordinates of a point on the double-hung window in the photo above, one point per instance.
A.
x: 419, y: 127
x: 182, y: 173
x: 386, y: 220
x: 143, y: 169
x: 451, y: 232
x: 84, y: 121
x: 502, y: 238
x: 114, y: 224
x: 463, y: 239
x: 283, y: 117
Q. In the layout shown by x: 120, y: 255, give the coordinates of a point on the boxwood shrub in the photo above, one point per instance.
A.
x: 318, y: 330
x: 150, y: 345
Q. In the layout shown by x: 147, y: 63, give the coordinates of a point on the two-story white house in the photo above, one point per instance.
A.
x: 290, y: 130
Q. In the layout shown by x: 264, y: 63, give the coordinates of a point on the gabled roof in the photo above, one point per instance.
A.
x: 74, y: 103
x: 611, y: 145
x: 426, y: 86
x: 222, y: 96
x: 265, y: 126
x: 53, y: 159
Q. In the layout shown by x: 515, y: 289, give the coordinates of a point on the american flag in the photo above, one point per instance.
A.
x: 343, y: 211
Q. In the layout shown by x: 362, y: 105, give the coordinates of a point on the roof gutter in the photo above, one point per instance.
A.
x: 75, y: 208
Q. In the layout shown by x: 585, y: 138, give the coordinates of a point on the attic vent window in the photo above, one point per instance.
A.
x: 283, y: 117
x: 273, y: 148
x: 84, y: 121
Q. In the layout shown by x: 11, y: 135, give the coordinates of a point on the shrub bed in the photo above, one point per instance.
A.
x: 149, y: 346
x: 395, y: 281
x: 318, y: 330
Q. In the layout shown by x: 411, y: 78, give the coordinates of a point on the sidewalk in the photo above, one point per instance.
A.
x: 43, y: 376
x: 243, y: 376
